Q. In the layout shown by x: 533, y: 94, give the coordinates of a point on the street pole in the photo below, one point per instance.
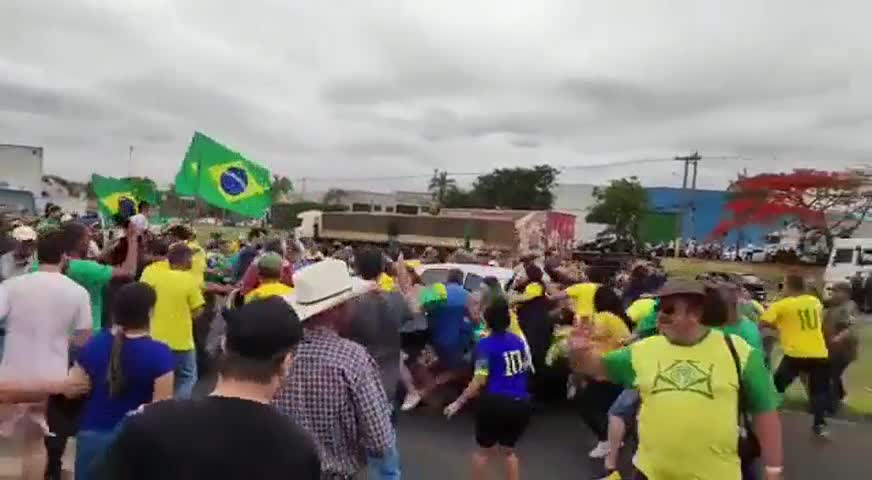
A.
x: 689, y: 160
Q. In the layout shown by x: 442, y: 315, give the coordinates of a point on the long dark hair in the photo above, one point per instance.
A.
x: 132, y: 310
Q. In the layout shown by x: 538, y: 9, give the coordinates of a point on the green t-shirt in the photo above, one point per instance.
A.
x: 747, y: 330
x: 701, y: 382
x: 94, y: 277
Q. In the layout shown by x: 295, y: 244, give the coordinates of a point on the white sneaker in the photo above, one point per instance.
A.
x: 600, y: 451
x: 412, y: 400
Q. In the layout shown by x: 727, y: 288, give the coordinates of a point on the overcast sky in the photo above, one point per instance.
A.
x: 339, y: 89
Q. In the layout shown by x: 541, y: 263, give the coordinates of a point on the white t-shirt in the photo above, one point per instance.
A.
x: 42, y: 310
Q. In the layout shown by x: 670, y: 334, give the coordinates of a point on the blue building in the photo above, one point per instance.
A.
x: 700, y: 211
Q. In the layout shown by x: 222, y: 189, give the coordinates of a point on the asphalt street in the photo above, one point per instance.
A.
x: 556, y: 445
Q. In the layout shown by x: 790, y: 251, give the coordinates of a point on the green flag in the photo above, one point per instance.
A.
x: 224, y: 178
x: 186, y: 183
x: 121, y: 196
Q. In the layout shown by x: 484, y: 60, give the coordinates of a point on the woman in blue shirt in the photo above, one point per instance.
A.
x: 501, y: 369
x: 126, y: 369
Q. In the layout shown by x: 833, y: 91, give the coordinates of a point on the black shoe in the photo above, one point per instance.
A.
x: 821, y: 431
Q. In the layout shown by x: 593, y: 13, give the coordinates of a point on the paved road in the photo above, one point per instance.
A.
x: 556, y: 446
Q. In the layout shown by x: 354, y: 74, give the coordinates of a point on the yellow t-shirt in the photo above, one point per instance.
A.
x: 582, y: 294
x: 385, y: 282
x: 160, y: 265
x: 609, y: 331
x: 533, y: 290
x: 640, y: 309
x: 687, y: 421
x: 270, y: 289
x: 799, y: 323
x: 178, y: 294
x: 198, y: 262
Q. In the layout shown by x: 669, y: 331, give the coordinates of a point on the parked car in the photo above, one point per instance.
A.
x: 473, y: 274
x: 751, y: 282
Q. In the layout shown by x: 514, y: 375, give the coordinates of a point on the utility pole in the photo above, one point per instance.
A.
x: 689, y: 161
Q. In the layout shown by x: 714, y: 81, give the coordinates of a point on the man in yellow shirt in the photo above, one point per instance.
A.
x: 184, y: 234
x: 582, y: 298
x: 269, y: 270
x: 690, y: 384
x: 179, y: 301
x: 799, y: 320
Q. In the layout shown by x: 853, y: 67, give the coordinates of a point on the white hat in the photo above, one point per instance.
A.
x: 24, y: 234
x: 320, y: 287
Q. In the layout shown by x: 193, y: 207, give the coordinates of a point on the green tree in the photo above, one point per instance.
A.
x: 281, y: 187
x: 441, y: 185
x: 516, y: 188
x: 621, y: 205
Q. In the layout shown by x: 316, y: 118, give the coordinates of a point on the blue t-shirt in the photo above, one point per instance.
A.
x: 143, y: 360
x: 503, y: 358
x: 447, y: 325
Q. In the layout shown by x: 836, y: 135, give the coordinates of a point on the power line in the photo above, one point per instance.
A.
x: 593, y: 166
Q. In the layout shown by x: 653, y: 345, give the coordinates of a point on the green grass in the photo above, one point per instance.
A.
x: 771, y: 273
x: 204, y: 232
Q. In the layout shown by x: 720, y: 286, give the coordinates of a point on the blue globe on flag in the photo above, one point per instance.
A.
x: 126, y: 207
x: 234, y: 181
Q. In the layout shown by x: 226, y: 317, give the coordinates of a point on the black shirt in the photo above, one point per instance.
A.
x: 211, y: 438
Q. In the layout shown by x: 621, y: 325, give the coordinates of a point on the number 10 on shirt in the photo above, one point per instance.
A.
x: 808, y: 319
x: 514, y: 362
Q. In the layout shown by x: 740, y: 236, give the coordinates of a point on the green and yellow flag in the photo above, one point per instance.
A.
x: 224, y: 178
x: 121, y: 196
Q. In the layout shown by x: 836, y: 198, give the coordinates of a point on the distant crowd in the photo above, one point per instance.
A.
x: 262, y: 357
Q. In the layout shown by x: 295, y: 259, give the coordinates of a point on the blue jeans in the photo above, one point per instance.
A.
x: 385, y: 468
x: 90, y: 448
x: 185, y: 374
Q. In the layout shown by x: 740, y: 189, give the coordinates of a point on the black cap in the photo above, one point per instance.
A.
x: 263, y: 329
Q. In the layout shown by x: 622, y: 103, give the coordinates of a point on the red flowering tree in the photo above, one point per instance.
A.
x: 831, y: 204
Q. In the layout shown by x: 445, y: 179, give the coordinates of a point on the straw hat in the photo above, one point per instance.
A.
x: 320, y: 287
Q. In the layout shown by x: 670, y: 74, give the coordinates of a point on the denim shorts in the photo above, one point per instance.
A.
x: 626, y: 406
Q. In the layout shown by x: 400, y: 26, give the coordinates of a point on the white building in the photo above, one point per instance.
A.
x: 577, y: 199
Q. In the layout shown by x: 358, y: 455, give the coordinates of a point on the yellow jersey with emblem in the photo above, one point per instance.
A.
x: 688, y: 416
x: 267, y: 290
x: 799, y: 321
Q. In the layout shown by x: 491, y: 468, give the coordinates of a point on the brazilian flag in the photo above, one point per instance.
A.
x: 121, y: 196
x: 224, y: 178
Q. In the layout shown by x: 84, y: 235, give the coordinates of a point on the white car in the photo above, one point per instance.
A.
x: 473, y: 275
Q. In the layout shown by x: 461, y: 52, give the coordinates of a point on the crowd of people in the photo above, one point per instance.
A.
x: 315, y: 350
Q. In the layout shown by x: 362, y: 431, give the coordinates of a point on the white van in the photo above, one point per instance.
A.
x: 849, y: 256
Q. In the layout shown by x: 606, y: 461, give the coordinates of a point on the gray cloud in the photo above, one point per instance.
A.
x: 339, y: 89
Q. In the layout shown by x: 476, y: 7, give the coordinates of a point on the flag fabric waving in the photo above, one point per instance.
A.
x: 224, y: 178
x: 121, y: 196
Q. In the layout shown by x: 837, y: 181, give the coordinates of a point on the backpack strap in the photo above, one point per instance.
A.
x: 738, y: 364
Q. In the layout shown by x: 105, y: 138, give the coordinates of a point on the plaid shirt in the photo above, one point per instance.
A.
x: 334, y: 392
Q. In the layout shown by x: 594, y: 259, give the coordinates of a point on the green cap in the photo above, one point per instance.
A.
x: 270, y: 264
